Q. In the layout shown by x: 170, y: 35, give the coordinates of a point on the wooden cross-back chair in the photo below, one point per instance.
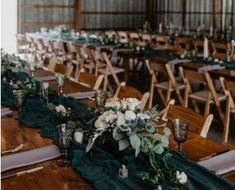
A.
x: 74, y: 56
x: 22, y: 44
x: 89, y: 79
x: 198, y: 123
x: 177, y: 83
x: 165, y: 87
x: 124, y: 91
x: 58, y: 67
x: 134, y: 37
x: 182, y: 44
x: 220, y: 49
x: 49, y: 49
x: 198, y: 45
x: 162, y: 42
x: 91, y: 62
x: 123, y: 37
x: 229, y: 90
x: 147, y: 38
x: 109, y: 70
x: 207, y: 95
x: 59, y: 50
x: 40, y: 49
x: 32, y: 46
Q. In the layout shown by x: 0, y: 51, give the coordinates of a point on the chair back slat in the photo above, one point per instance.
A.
x: 198, y: 124
x: 194, y: 76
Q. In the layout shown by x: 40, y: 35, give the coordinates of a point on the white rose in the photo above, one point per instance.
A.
x: 143, y: 116
x: 182, y: 177
x: 45, y: 85
x: 100, y: 124
x: 109, y: 116
x: 113, y: 104
x: 132, y: 103
x: 61, y: 109
x: 120, y: 119
x: 123, y: 104
x: 130, y: 115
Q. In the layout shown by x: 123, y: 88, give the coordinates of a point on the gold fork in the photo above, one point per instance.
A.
x: 14, y: 149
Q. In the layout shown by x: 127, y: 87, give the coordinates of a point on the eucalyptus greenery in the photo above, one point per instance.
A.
x: 136, y: 129
x: 132, y: 127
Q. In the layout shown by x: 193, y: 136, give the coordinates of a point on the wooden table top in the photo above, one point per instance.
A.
x: 69, y: 86
x: 226, y: 73
x: 15, y: 133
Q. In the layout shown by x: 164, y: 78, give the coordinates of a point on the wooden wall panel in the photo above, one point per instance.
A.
x: 34, y: 14
x: 112, y: 14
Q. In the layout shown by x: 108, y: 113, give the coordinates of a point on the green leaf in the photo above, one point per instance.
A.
x: 164, y: 141
x: 167, y: 131
x: 150, y: 128
x: 123, y: 144
x: 117, y: 135
x: 158, y: 149
x: 135, y: 141
x: 137, y: 151
x: 157, y: 137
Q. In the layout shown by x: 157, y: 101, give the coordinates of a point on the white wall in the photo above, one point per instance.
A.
x: 8, y: 25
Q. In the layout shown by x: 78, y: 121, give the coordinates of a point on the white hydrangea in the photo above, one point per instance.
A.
x: 182, y: 177
x: 61, y: 109
x: 100, y: 124
x: 130, y: 115
x: 109, y: 116
x: 124, y: 104
x: 129, y: 103
x: 45, y: 85
x: 107, y: 119
x: 120, y: 119
x: 143, y: 116
x: 113, y: 104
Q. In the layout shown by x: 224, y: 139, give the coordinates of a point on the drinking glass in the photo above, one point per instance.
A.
x: 60, y: 80
x: 180, y: 129
x: 19, y: 98
x: 100, y: 99
x: 65, y: 137
x: 45, y: 86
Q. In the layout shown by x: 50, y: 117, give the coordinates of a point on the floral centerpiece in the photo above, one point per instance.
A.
x: 135, y: 129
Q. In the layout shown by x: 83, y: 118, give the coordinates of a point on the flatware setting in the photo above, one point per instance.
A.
x: 16, y: 149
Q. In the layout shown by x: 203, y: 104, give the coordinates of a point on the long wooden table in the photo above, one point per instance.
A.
x: 54, y: 177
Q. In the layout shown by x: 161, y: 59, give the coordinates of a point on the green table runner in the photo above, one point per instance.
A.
x: 100, y: 166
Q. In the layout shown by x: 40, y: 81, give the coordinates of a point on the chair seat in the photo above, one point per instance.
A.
x: 89, y: 66
x: 232, y: 111
x: 202, y: 96
x: 163, y: 85
x: 115, y: 69
x: 23, y: 47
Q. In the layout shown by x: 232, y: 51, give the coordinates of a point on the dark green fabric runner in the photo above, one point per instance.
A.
x: 99, y: 166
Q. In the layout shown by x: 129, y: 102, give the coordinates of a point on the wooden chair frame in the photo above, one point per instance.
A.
x: 134, y: 93
x: 198, y: 124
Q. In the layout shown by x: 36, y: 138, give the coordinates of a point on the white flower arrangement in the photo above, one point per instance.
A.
x: 63, y: 112
x: 130, y: 126
x: 181, y: 177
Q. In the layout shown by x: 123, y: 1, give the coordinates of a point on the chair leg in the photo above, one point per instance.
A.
x: 168, y: 96
x: 151, y: 96
x: 105, y: 82
x: 226, y: 121
x: 207, y: 109
x: 162, y: 96
x: 196, y: 108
